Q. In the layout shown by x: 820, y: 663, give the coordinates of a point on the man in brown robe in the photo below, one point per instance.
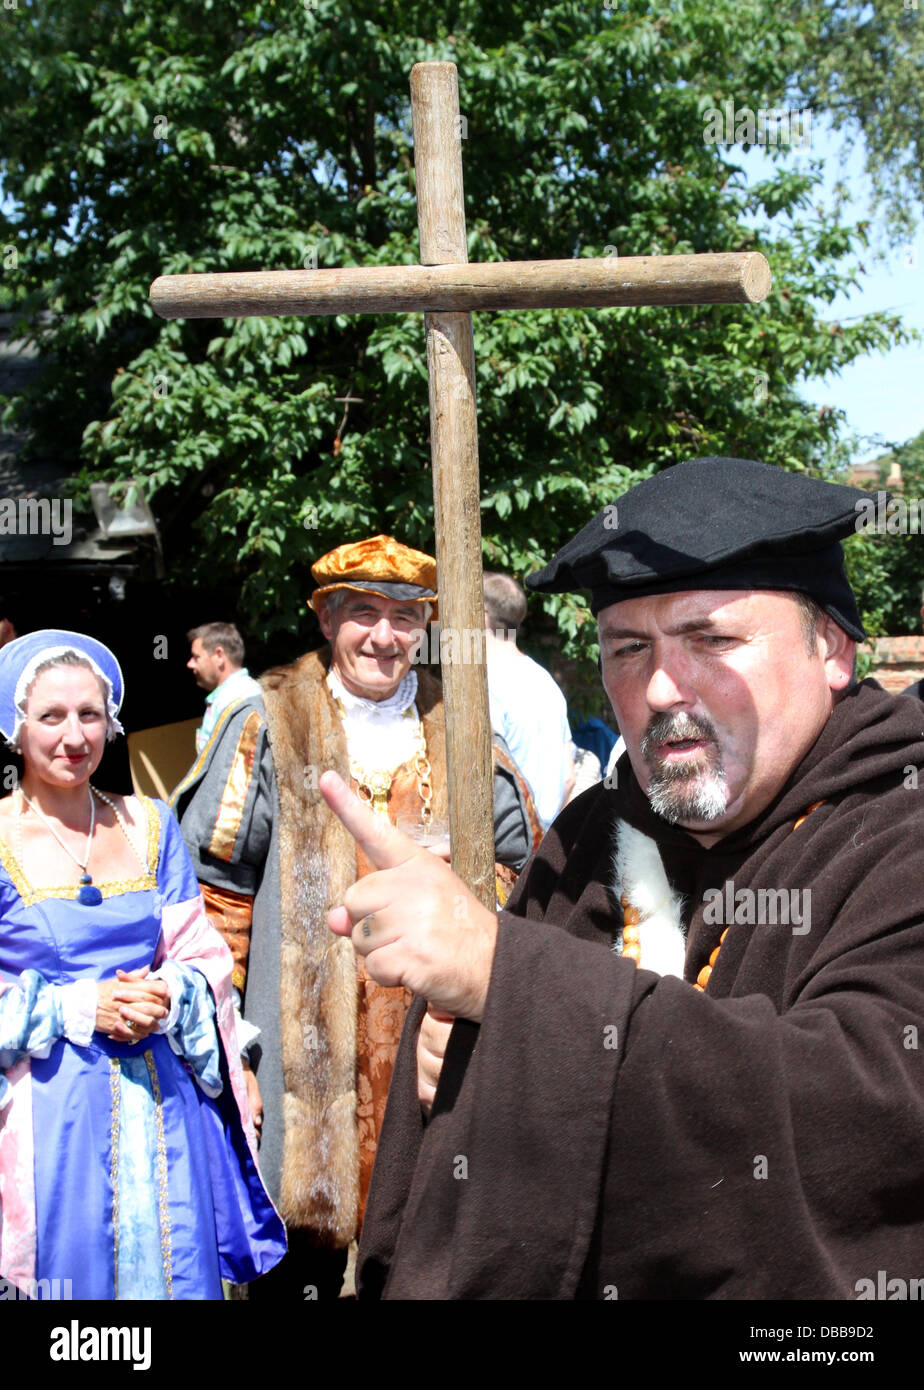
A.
x: 686, y: 1062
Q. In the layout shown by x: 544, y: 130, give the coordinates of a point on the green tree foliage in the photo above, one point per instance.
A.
x: 886, y: 567
x: 166, y: 137
x: 864, y: 69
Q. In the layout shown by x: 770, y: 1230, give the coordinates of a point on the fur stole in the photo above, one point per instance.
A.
x: 639, y: 874
x: 319, y: 1189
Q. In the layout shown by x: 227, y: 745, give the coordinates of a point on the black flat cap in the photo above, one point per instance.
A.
x: 716, y: 523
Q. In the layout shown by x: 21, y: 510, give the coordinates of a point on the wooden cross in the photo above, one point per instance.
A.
x: 445, y: 288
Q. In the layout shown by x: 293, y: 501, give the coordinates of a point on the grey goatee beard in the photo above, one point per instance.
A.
x: 692, y: 791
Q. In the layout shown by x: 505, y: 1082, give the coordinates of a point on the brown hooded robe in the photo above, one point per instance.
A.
x: 606, y: 1132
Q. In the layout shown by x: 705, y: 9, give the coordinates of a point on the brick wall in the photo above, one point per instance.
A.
x: 897, y: 661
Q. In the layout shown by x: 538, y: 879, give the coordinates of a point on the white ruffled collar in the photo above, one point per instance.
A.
x: 381, y: 735
x: 357, y: 706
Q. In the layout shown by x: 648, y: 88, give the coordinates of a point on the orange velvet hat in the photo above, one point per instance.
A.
x: 380, y: 565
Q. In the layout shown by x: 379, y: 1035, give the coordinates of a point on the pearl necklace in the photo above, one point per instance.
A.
x: 122, y: 826
x: 88, y: 894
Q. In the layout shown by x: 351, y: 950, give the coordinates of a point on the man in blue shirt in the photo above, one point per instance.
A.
x: 216, y: 660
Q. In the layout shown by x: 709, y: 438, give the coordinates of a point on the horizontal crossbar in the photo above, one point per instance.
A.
x: 722, y: 278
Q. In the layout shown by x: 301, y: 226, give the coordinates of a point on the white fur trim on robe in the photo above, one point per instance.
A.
x: 639, y: 874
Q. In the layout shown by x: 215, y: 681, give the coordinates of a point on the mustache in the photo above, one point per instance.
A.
x: 670, y: 727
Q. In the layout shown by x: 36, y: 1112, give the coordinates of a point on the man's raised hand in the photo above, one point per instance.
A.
x: 413, y: 920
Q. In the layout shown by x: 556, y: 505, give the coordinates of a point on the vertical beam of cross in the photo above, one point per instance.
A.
x: 447, y: 288
x: 456, y: 489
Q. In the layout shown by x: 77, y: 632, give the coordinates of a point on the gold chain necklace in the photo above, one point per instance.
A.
x: 374, y: 784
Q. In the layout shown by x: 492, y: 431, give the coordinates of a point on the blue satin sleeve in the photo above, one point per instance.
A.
x: 194, y: 1036
x: 31, y: 1021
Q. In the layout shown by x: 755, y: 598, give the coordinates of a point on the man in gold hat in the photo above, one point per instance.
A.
x: 328, y: 1034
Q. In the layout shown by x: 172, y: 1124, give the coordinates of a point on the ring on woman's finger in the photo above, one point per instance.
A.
x: 131, y: 1025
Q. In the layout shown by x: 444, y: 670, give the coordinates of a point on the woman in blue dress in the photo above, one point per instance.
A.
x: 127, y: 1164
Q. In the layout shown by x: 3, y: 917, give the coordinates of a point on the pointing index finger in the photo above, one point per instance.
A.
x: 384, y: 846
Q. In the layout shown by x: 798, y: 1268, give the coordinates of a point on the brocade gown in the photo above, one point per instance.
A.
x: 124, y: 1169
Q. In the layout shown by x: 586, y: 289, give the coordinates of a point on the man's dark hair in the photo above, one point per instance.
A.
x: 224, y: 635
x: 809, y: 615
x: 504, y: 601
x: 809, y: 618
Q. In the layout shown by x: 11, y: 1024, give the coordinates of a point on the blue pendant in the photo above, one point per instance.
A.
x: 88, y: 895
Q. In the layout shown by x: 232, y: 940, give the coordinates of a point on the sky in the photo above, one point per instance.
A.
x: 883, y: 393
